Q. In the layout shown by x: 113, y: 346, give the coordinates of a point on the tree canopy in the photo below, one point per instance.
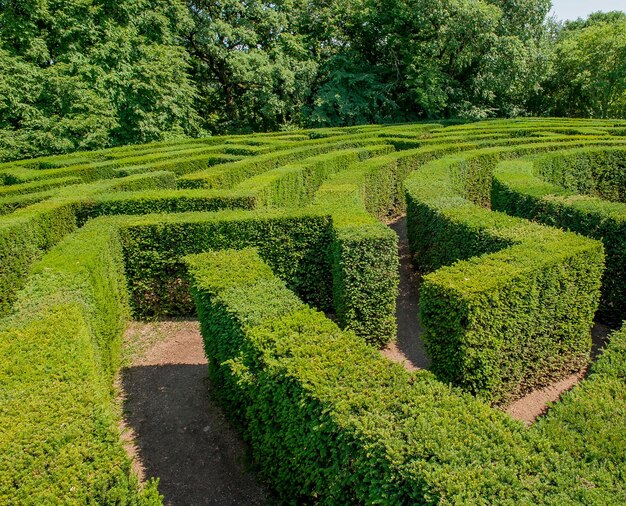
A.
x: 84, y: 74
x: 588, y: 75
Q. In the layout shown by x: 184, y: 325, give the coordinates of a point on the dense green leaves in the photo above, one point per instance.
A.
x: 580, y: 190
x: 251, y: 63
x: 364, y: 431
x: 588, y: 75
x: 89, y: 74
x: 427, y: 58
x: 514, y: 303
x: 58, y: 353
x: 305, y: 389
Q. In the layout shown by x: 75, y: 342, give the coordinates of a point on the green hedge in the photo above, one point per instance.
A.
x: 317, y: 404
x: 12, y: 203
x: 341, y: 262
x: 178, y: 166
x: 111, y: 169
x: 37, y: 186
x: 296, y: 245
x: 164, y: 201
x: 381, y: 179
x: 331, y: 421
x: 517, y: 307
x: 228, y: 175
x: 294, y: 185
x: 180, y: 158
x: 27, y: 233
x: 364, y: 257
x: 59, y: 436
x: 599, y: 172
x: 588, y: 425
x: 364, y: 264
x: 519, y: 192
x: 24, y: 236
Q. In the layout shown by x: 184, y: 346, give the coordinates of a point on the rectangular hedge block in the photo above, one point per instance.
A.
x: 511, y: 304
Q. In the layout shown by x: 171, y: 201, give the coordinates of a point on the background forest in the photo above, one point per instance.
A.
x: 86, y: 74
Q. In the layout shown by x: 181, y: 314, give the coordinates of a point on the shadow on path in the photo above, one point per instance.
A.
x: 180, y: 435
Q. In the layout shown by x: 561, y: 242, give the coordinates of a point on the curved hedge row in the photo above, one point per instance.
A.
x: 360, y: 429
x: 331, y: 420
x: 563, y: 189
x: 510, y: 304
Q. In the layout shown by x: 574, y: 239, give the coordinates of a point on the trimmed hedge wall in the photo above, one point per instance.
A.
x: 519, y: 192
x: 364, y: 264
x: 517, y: 307
x: 294, y: 185
x: 588, y: 426
x: 12, y: 203
x: 228, y: 175
x: 24, y: 236
x: 590, y: 171
x: 59, y: 439
x: 317, y: 404
x: 331, y: 421
x: 27, y: 233
x: 365, y: 252
x: 296, y: 246
x: 37, y: 186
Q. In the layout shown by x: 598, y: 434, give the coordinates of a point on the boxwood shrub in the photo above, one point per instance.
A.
x: 331, y: 421
x: 510, y: 304
x: 59, y: 438
x: 520, y: 188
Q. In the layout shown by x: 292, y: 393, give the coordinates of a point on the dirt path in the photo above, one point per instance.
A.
x: 175, y: 430
x: 408, y: 348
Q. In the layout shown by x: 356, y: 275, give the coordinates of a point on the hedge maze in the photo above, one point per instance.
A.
x: 277, y: 243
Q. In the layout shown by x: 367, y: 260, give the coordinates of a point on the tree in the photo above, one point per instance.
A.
x: 437, y: 58
x: 85, y: 74
x: 588, y: 77
x: 254, y: 64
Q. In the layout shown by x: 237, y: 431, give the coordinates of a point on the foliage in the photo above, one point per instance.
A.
x: 252, y: 62
x: 584, y: 424
x: 513, y: 304
x: 85, y: 75
x: 305, y: 389
x: 588, y: 77
x: 365, y: 431
x: 427, y: 58
x: 90, y: 74
x: 59, y: 350
x: 295, y: 247
x: 564, y: 189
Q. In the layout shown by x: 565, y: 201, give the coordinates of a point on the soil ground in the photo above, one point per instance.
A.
x: 175, y: 431
x: 408, y: 347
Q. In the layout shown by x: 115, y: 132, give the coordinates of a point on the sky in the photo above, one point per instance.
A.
x: 573, y: 9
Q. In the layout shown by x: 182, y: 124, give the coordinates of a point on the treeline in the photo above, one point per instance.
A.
x: 85, y: 74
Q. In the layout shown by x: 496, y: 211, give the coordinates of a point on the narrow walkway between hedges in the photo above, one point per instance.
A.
x: 173, y: 428
x: 408, y: 348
